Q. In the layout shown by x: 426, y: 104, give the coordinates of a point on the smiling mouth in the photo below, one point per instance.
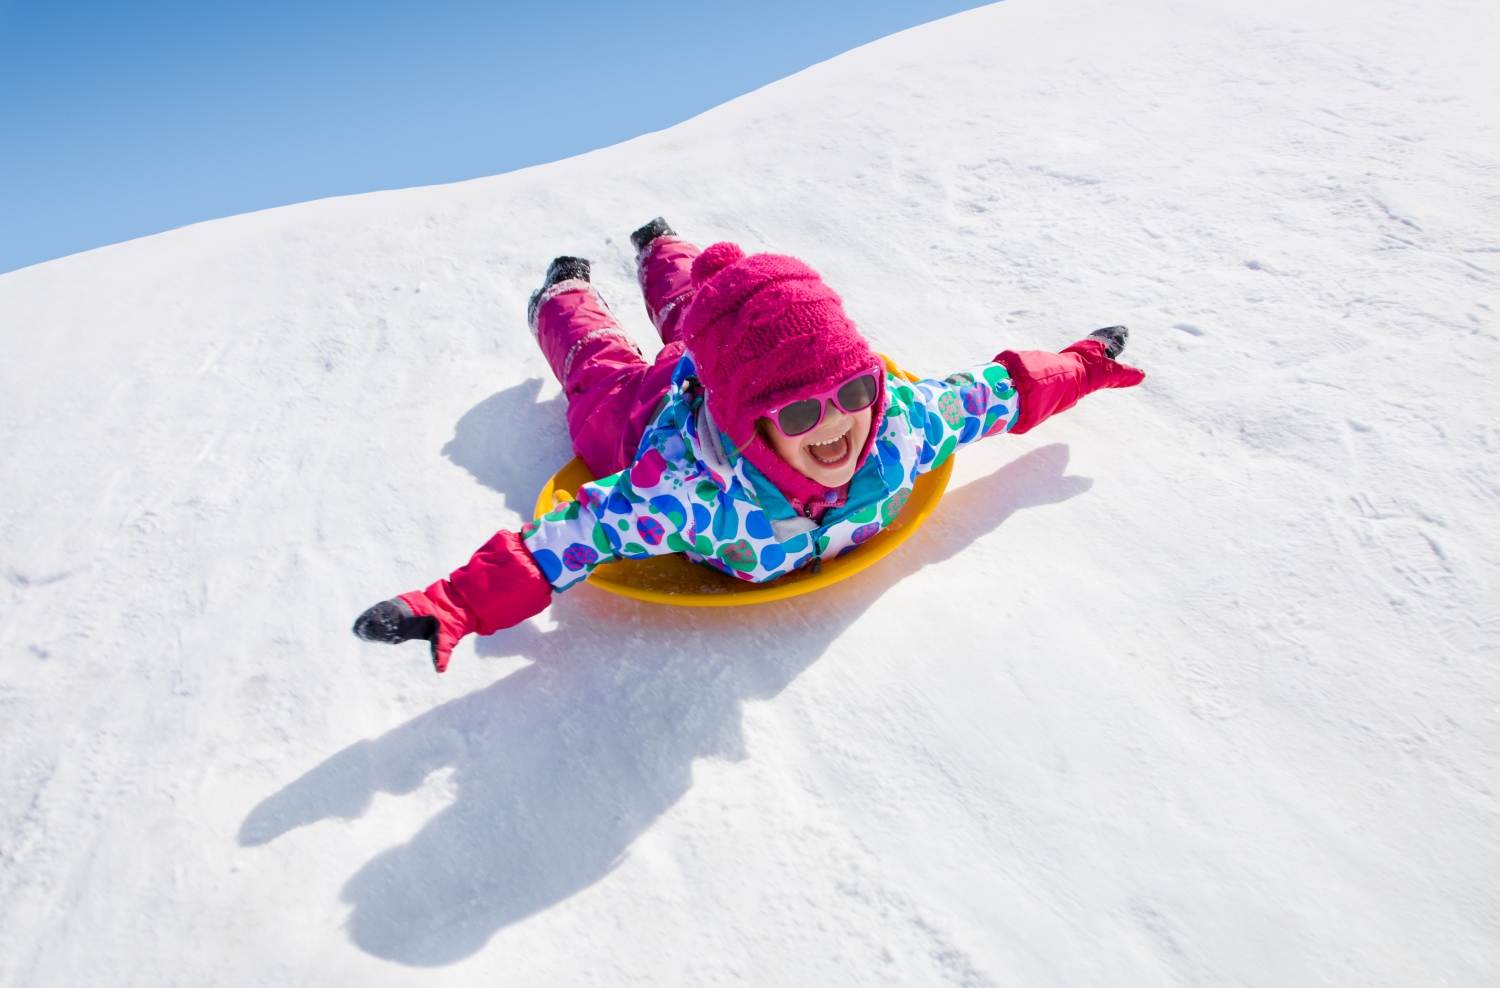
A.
x: 831, y: 453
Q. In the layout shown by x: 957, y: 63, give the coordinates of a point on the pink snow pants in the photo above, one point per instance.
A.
x: 612, y: 391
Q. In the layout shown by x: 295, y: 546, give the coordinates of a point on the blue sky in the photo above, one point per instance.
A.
x: 119, y: 120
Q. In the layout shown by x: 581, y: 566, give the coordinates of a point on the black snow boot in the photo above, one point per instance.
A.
x: 1114, y: 339
x: 392, y: 621
x: 562, y: 268
x: 656, y: 228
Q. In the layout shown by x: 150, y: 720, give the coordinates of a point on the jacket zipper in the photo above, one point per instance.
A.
x: 817, y: 562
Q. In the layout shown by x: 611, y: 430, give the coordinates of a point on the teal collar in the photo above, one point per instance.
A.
x: 867, y: 487
x: 772, y: 501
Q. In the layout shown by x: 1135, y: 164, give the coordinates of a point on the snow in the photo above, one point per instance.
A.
x: 1196, y: 684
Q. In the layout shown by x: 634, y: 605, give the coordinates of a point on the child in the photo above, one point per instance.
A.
x: 765, y: 435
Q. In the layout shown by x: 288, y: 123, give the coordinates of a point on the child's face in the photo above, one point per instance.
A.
x: 827, y: 454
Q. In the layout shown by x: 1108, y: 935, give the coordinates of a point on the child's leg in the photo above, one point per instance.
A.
x: 664, y: 265
x: 612, y: 391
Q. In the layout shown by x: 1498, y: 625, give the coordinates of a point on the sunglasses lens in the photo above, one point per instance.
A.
x: 799, y: 416
x: 857, y: 394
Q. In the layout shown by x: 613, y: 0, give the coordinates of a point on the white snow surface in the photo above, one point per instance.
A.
x: 1195, y: 684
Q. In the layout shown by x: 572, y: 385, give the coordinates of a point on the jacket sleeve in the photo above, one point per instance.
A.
x: 956, y: 411
x: 609, y: 521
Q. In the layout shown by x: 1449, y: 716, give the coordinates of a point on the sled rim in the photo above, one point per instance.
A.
x: 675, y: 580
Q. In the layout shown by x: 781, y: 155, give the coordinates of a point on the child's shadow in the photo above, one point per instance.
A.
x: 482, y: 442
x: 558, y: 767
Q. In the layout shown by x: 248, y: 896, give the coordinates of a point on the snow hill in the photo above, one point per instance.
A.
x: 1196, y: 684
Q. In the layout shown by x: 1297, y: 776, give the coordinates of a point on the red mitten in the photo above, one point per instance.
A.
x: 500, y: 586
x: 454, y: 619
x: 1053, y: 382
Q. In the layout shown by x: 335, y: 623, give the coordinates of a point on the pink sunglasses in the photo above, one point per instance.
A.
x: 805, y: 414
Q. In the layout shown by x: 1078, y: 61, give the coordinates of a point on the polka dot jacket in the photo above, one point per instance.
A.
x: 685, y: 494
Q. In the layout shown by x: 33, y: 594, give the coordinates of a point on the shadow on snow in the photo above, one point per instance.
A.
x: 558, y: 767
x: 483, y: 442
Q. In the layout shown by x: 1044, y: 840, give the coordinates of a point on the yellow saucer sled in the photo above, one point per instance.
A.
x: 673, y: 579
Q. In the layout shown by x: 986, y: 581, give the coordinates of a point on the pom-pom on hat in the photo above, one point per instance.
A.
x: 765, y: 330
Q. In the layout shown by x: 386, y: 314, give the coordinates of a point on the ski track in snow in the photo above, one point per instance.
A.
x: 1194, y: 685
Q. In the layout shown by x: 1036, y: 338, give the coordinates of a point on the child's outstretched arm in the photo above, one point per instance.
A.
x: 513, y: 575
x: 1015, y: 392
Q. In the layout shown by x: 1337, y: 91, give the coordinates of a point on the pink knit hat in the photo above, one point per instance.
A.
x: 765, y: 330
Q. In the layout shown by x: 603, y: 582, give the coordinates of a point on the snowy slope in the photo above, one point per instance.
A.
x: 1197, y: 684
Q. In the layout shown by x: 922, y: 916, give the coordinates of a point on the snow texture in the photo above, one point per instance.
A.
x: 1196, y: 684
